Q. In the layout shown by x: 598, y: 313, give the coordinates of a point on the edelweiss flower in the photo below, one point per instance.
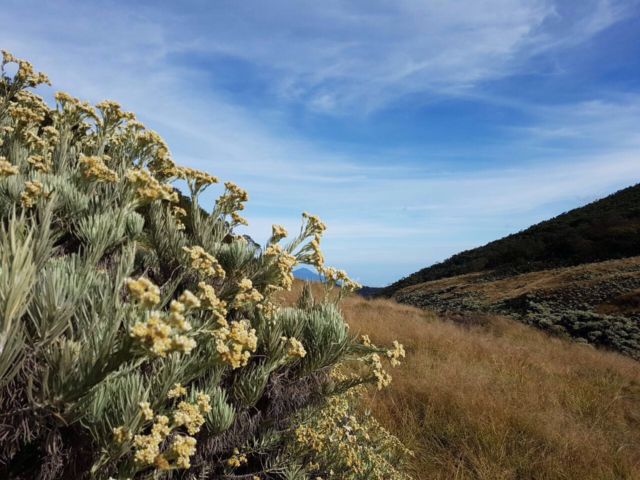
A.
x: 94, y: 168
x: 6, y: 168
x: 278, y: 232
x: 32, y: 191
x: 149, y: 188
x: 235, y: 344
x: 210, y: 301
x: 246, y: 293
x: 182, y: 448
x: 295, y: 348
x: 177, y: 391
x: 144, y: 291
x: 204, y: 262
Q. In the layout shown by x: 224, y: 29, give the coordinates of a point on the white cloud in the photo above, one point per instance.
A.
x: 331, y: 55
x: 384, y: 220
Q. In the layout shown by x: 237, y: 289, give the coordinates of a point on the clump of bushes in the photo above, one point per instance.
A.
x: 139, y: 335
x: 615, y: 332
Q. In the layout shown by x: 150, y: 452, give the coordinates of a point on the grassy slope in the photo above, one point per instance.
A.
x: 597, y: 284
x: 606, y: 229
x: 490, y: 398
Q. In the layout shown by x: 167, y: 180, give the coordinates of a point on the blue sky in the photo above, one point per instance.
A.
x: 415, y: 129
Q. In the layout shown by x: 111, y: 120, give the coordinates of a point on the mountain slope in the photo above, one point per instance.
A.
x: 605, y: 229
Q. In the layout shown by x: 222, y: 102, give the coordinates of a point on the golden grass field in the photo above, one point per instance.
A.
x: 489, y: 398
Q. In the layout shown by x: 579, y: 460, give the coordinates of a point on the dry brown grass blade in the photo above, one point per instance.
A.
x: 494, y: 399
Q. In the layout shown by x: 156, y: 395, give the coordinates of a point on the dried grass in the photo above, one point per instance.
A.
x: 489, y: 398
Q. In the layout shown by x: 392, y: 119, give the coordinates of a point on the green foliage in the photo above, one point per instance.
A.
x: 139, y: 337
x: 615, y: 332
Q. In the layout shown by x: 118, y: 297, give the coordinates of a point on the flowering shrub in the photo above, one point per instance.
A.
x: 139, y: 336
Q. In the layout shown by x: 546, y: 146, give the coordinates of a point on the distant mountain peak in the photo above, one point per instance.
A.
x: 307, y: 274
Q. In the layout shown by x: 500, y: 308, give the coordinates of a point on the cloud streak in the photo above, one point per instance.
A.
x: 391, y: 208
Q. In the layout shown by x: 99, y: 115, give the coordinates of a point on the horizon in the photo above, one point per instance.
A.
x: 414, y: 130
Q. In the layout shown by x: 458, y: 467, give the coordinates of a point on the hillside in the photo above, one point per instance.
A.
x: 484, y: 397
x: 605, y: 229
x: 598, y: 303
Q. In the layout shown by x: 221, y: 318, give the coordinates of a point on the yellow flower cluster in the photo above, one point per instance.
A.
x: 190, y: 416
x: 237, y: 219
x: 210, y: 301
x: 315, y: 226
x: 25, y: 114
x: 176, y: 319
x: 309, y: 437
x: 354, y: 444
x: 144, y: 291
x: 204, y: 262
x: 284, y: 263
x: 145, y: 410
x: 6, y: 168
x: 237, y: 459
x: 177, y: 391
x: 278, y: 232
x: 268, y: 309
x: 112, y: 111
x: 148, y: 188
x: 182, y: 448
x: 33, y: 141
x: 39, y: 163
x: 25, y: 74
x: 146, y: 138
x: 33, y: 190
x: 162, y: 165
x: 148, y: 446
x: 295, y: 347
x: 4, y: 130
x: 94, y: 168
x: 163, y: 333
x: 316, y: 258
x: 179, y: 213
x: 339, y: 277
x: 27, y: 109
x: 235, y: 343
x: 121, y: 434
x: 246, y: 293
x: 72, y: 105
x: 396, y: 353
x: 383, y: 379
x: 232, y: 198
x: 189, y: 300
x: 197, y: 177
x: 157, y: 335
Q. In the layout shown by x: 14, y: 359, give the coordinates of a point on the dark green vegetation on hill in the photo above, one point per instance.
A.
x: 605, y: 229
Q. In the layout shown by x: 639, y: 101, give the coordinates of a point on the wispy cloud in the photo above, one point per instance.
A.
x: 386, y: 217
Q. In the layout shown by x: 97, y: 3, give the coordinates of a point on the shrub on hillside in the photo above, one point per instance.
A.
x: 139, y: 335
x: 615, y: 332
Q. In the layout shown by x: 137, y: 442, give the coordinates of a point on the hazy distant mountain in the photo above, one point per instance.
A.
x: 306, y: 274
